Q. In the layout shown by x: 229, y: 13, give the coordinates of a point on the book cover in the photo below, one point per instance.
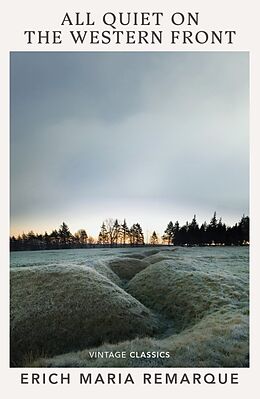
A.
x: 128, y: 235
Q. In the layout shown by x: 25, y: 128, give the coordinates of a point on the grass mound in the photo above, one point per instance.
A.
x: 105, y: 271
x: 60, y: 309
x: 185, y: 296
x: 135, y: 256
x: 154, y: 256
x: 150, y: 252
x: 157, y: 258
x: 219, y: 339
x: 127, y: 268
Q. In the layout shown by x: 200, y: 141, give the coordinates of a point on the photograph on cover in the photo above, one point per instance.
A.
x: 129, y: 241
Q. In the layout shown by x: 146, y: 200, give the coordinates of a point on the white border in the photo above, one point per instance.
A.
x: 19, y: 16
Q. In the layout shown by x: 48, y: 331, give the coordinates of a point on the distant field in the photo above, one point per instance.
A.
x: 189, y: 302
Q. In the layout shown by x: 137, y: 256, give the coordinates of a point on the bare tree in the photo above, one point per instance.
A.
x: 113, y: 230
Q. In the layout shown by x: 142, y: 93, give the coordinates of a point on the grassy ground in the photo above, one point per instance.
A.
x: 218, y: 340
x: 198, y: 313
x: 107, y: 272
x: 185, y: 295
x: 56, y: 310
x: 127, y: 268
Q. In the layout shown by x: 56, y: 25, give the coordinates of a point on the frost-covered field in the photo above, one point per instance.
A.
x: 190, y: 302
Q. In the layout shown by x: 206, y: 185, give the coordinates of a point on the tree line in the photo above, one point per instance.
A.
x: 214, y: 233
x: 113, y: 233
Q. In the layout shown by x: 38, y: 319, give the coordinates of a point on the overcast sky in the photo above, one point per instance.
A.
x: 150, y: 137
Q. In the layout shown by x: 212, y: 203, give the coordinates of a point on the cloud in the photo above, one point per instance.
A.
x: 113, y: 128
